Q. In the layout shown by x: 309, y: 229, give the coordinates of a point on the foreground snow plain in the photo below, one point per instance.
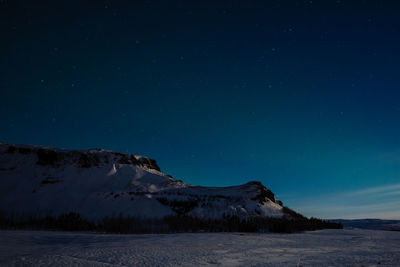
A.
x: 349, y: 247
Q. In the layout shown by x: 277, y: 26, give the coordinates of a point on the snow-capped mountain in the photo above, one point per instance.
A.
x: 36, y: 180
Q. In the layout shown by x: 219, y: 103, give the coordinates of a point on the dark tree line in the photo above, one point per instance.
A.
x: 169, y: 224
x: 68, y: 222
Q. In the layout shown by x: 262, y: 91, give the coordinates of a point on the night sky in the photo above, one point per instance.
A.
x: 303, y: 96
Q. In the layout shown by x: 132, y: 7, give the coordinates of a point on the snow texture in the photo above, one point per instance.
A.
x: 354, y: 247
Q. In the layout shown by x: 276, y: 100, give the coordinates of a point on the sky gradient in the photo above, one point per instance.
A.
x: 300, y: 95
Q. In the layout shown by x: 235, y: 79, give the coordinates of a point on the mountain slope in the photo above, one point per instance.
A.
x: 41, y: 181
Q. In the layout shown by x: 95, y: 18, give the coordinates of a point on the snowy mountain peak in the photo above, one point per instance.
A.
x: 54, y: 157
x: 41, y: 180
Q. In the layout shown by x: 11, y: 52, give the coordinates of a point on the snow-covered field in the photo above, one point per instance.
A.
x: 319, y: 248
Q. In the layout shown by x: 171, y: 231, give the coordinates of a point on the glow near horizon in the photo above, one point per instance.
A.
x: 381, y: 202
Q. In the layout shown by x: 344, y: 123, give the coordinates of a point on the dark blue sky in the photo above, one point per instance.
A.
x: 301, y: 95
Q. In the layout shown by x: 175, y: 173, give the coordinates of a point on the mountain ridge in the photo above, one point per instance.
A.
x: 41, y: 180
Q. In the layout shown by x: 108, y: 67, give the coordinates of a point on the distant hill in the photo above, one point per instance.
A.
x: 373, y: 224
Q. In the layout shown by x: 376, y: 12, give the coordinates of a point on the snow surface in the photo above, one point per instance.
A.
x: 320, y: 248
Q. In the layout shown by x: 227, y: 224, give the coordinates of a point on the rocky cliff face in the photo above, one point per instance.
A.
x: 52, y: 157
x: 96, y: 183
